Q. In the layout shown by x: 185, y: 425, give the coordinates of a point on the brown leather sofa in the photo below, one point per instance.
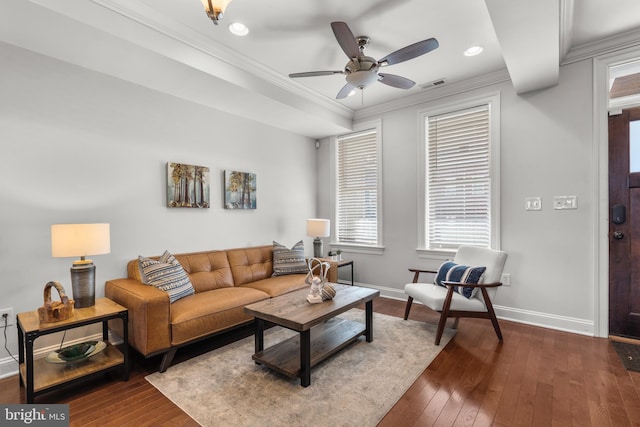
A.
x: 224, y: 282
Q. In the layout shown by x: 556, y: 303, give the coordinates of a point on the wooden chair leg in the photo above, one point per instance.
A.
x: 408, y: 308
x: 455, y: 323
x: 492, y: 314
x: 444, y: 314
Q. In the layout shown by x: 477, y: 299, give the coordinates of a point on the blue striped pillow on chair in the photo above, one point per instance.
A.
x: 451, y: 272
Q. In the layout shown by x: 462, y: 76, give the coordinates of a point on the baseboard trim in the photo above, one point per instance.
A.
x: 545, y: 320
x: 9, y: 367
x: 527, y: 317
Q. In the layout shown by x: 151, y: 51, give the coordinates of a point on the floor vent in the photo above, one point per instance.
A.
x: 434, y: 83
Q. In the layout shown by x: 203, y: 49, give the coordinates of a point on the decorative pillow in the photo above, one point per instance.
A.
x: 167, y: 275
x: 289, y: 261
x: 451, y: 272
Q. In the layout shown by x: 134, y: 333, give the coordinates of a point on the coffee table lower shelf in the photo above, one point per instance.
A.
x: 326, y: 339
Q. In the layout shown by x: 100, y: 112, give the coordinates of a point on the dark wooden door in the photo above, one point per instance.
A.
x: 624, y: 224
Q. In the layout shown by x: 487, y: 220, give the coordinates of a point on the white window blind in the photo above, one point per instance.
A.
x: 357, y: 188
x: 458, y: 179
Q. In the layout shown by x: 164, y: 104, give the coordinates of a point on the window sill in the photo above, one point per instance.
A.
x: 439, y: 254
x: 360, y: 249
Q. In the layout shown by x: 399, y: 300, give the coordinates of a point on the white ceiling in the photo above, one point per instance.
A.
x: 248, y: 76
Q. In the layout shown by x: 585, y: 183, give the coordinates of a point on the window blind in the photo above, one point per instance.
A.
x: 357, y: 188
x: 458, y: 180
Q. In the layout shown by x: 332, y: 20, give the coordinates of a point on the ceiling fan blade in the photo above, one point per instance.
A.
x: 345, y: 38
x: 315, y: 73
x: 410, y: 52
x: 396, y: 81
x: 345, y: 91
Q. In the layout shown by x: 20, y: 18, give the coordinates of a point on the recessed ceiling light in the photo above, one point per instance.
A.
x: 238, y: 29
x: 473, y: 51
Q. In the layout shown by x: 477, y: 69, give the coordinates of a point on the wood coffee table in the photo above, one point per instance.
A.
x: 321, y: 333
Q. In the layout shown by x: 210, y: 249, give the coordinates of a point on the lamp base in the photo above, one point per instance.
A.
x: 83, y: 284
x: 317, y: 247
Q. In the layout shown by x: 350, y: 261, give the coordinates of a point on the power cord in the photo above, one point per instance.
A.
x: 5, y: 317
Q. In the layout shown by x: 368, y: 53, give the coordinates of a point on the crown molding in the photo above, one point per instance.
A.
x: 192, y: 39
x: 434, y: 93
x: 619, y: 42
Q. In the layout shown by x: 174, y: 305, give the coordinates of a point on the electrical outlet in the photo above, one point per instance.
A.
x: 10, y: 317
x: 505, y: 279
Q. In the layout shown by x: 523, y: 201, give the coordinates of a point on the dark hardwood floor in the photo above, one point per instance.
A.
x: 536, y: 377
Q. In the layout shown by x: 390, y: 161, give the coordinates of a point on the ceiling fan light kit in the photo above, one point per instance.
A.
x: 215, y: 8
x: 361, y: 70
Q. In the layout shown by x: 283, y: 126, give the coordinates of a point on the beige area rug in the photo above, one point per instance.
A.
x: 355, y: 387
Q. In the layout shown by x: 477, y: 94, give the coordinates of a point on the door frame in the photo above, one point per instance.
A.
x: 600, y: 148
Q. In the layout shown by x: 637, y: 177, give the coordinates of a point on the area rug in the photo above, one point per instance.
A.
x: 355, y: 387
x: 629, y: 355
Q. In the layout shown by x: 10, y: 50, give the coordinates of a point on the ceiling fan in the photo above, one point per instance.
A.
x: 362, y: 70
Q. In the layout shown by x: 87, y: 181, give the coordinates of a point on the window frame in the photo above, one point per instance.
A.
x: 493, y: 103
x: 377, y: 248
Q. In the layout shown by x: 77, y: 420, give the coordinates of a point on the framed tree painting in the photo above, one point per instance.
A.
x: 187, y: 186
x: 239, y: 190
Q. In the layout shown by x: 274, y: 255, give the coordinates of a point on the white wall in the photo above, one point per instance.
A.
x: 79, y: 146
x: 546, y: 151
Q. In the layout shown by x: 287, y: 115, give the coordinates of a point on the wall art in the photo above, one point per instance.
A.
x: 239, y: 190
x: 187, y: 186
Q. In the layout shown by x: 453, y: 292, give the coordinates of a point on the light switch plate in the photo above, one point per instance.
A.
x: 533, y: 203
x: 565, y: 202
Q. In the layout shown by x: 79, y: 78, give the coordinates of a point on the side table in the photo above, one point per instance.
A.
x: 40, y: 376
x: 344, y: 263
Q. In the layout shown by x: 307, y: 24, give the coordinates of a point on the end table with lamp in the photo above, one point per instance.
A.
x: 44, y: 374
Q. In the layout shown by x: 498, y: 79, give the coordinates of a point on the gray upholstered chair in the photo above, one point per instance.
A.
x: 451, y: 303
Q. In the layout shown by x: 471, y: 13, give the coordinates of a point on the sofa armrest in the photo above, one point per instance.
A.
x: 149, y: 314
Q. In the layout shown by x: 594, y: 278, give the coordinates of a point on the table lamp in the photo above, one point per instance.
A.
x: 73, y: 240
x: 317, y: 227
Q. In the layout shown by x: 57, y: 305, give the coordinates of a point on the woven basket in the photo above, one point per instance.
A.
x: 57, y: 310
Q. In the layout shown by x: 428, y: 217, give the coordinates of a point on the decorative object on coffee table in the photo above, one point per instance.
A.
x: 317, y: 278
x: 328, y: 292
x: 55, y: 311
x: 73, y: 240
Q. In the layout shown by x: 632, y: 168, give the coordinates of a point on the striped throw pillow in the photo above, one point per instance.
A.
x: 289, y: 261
x: 167, y: 275
x: 452, y: 272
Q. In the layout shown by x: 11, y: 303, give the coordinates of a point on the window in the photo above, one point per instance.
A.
x: 357, y: 188
x: 460, y: 176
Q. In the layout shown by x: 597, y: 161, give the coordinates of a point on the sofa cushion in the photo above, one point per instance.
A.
x: 205, y: 313
x: 207, y: 270
x: 166, y: 274
x: 451, y: 272
x: 279, y: 285
x: 289, y: 261
x: 250, y: 264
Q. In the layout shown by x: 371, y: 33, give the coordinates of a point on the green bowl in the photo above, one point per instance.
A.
x: 77, y: 352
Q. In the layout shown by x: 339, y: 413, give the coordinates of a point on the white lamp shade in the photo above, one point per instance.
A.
x: 317, y: 227
x: 73, y: 240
